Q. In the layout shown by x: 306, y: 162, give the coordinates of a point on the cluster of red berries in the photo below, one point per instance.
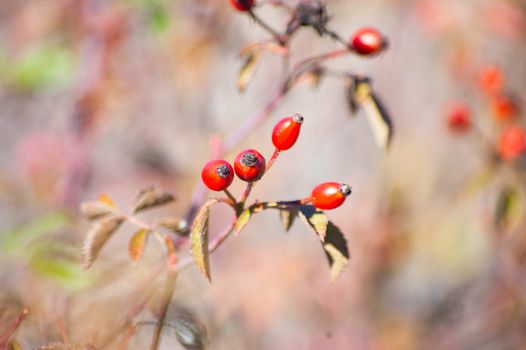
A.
x: 250, y: 166
x: 512, y: 139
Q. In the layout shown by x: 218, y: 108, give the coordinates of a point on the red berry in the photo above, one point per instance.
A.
x: 491, y: 80
x: 368, y: 41
x: 217, y: 175
x: 249, y: 165
x: 512, y: 143
x: 329, y: 195
x: 503, y: 108
x: 242, y: 5
x: 286, y: 132
x: 459, y: 117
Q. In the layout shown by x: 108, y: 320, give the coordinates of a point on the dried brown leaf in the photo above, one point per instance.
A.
x: 95, y: 209
x: 138, y: 243
x: 173, y: 224
x: 315, y: 219
x: 97, y: 236
x: 189, y: 330
x: 287, y: 217
x: 379, y: 120
x: 199, y: 239
x: 336, y: 249
x: 150, y: 198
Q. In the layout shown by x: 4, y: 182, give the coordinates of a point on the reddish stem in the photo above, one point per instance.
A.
x: 5, y: 337
x: 272, y: 159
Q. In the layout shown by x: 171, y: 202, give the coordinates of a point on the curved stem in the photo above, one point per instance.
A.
x: 165, y: 302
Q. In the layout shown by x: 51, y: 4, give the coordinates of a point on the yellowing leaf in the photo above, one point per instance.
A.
x: 242, y: 220
x: 138, y: 243
x: 315, y: 219
x: 152, y: 197
x: 13, y: 345
x: 335, y: 247
x: 97, y: 236
x: 199, y: 239
x: 248, y: 67
x: 104, y: 198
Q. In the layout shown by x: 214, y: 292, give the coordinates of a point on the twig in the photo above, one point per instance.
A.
x: 165, y: 302
x: 266, y: 27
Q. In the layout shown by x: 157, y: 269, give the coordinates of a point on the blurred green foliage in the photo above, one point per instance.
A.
x: 42, y: 67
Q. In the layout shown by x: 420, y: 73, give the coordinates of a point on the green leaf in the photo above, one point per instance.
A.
x: 138, y: 243
x: 315, y: 219
x: 66, y: 273
x: 42, y: 67
x: 16, y: 240
x: 287, y: 217
x: 335, y: 247
x: 242, y: 220
x: 159, y: 16
x: 248, y: 67
x: 509, y: 208
x: 199, y: 239
x: 97, y: 236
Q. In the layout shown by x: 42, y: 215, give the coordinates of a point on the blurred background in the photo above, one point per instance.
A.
x: 109, y: 96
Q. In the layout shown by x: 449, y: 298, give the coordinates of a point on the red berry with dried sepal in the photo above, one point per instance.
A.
x: 329, y: 195
x: 242, y: 5
x: 217, y: 175
x: 249, y: 165
x: 368, y: 41
x: 286, y: 132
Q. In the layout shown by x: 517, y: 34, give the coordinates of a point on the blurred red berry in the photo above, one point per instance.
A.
x: 503, y: 108
x: 286, y: 132
x: 512, y: 143
x: 217, y: 175
x: 368, y: 41
x: 491, y: 80
x: 459, y: 117
x: 329, y: 195
x: 249, y: 165
x: 242, y: 5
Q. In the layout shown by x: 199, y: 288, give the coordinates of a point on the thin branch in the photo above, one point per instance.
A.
x: 165, y: 302
x: 266, y: 27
